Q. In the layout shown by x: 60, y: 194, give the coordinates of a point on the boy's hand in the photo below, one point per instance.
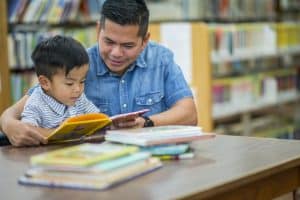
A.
x: 22, y: 134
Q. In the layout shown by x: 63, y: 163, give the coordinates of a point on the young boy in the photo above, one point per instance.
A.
x: 61, y: 64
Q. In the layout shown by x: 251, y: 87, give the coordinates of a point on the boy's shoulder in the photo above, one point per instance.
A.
x: 35, y: 99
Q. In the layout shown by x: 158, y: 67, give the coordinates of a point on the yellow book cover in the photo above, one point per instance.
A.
x: 82, y: 155
x: 74, y: 128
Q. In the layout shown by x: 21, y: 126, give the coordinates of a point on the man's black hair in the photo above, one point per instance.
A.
x: 58, y: 52
x: 126, y: 12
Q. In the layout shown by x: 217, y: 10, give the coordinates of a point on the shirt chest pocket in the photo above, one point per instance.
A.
x: 149, y: 99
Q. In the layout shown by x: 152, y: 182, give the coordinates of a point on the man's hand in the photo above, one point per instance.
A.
x: 22, y: 134
x: 129, y: 120
x: 136, y: 122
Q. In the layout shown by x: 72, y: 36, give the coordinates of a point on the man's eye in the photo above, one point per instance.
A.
x: 128, y: 46
x: 109, y: 42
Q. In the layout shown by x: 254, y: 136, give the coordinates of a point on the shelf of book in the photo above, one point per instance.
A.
x: 247, y: 78
x: 30, y: 21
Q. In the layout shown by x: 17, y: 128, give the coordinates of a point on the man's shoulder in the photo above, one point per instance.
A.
x: 154, y: 46
x: 157, y: 53
x: 156, y: 49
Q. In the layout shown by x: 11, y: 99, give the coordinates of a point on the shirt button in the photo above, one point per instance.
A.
x: 124, y: 105
x: 149, y: 100
x: 122, y: 81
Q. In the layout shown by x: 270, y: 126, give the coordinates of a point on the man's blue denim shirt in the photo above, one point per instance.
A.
x: 153, y: 81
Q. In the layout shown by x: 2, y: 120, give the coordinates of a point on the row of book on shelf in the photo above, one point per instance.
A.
x: 244, y: 92
x: 250, y: 40
x: 227, y: 41
x: 20, y: 83
x: 267, y: 125
x: 61, y: 11
x: 53, y: 12
x: 125, y: 155
x: 214, y: 10
x: 21, y: 44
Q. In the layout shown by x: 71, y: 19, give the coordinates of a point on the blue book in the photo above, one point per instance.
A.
x: 172, y: 149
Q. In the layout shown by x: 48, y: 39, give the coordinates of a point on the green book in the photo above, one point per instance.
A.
x: 83, y: 155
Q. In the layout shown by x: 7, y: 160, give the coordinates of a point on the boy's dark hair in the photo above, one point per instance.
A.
x: 58, y: 52
x: 126, y: 12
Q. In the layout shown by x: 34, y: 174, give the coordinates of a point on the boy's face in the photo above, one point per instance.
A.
x: 65, y: 89
x: 120, y: 45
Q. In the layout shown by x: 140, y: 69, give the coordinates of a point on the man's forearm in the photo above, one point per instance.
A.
x: 182, y: 113
x: 8, y: 114
x: 12, y: 113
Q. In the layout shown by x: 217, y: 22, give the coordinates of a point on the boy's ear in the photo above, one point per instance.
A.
x: 44, y: 82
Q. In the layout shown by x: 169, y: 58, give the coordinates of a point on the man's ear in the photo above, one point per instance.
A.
x: 44, y: 82
x: 146, y: 39
x: 98, y: 28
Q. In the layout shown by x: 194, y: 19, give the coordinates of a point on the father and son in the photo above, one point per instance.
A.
x: 123, y: 72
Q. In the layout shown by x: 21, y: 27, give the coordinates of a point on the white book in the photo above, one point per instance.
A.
x: 157, y: 135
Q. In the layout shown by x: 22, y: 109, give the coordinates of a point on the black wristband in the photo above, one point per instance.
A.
x: 148, y: 122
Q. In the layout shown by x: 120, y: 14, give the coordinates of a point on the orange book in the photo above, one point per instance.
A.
x: 78, y: 127
x: 83, y: 127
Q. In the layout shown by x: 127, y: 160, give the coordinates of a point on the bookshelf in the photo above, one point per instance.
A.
x: 199, y: 56
x: 30, y: 21
x: 4, y: 69
x: 280, y: 71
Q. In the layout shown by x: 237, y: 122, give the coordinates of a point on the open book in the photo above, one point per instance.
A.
x: 81, y: 127
x: 157, y: 135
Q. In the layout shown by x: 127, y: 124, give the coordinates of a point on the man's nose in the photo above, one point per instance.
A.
x: 116, y: 50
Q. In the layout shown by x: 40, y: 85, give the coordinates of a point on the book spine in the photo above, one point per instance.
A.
x: 184, y: 156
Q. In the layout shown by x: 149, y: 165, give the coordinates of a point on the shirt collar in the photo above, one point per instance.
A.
x: 140, y: 62
x: 57, y: 107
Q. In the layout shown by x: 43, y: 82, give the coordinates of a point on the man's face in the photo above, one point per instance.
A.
x: 120, y: 45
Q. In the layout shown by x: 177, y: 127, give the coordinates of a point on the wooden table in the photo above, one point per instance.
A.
x: 227, y: 167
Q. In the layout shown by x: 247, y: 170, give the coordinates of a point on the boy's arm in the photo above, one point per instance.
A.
x: 19, y: 133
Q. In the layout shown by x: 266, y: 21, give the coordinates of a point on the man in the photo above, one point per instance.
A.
x: 127, y: 73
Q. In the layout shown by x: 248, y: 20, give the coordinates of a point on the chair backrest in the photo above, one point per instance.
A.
x: 4, y: 140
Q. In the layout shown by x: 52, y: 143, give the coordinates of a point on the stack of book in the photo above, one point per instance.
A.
x: 89, y: 166
x: 165, y: 142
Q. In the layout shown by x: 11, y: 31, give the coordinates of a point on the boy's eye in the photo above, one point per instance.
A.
x: 69, y: 84
x: 82, y: 82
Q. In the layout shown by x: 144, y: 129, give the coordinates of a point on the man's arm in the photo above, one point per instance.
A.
x: 182, y: 113
x: 19, y: 133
